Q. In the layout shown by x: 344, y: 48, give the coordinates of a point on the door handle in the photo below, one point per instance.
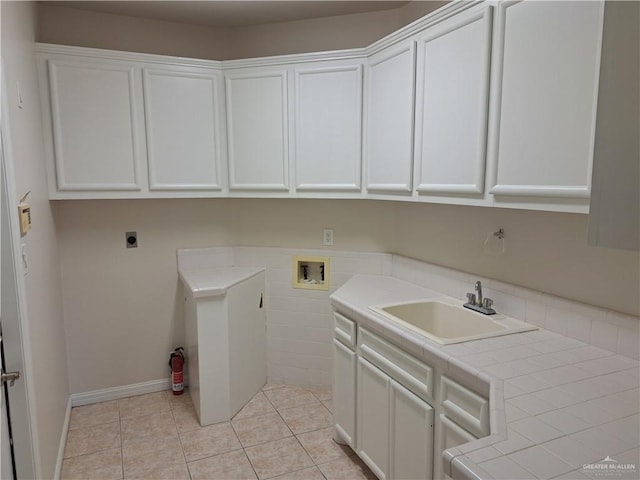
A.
x: 10, y: 377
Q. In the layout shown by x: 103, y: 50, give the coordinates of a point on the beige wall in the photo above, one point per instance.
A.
x: 71, y: 26
x: 122, y: 306
x: 314, y: 35
x: 44, y: 300
x: 544, y: 251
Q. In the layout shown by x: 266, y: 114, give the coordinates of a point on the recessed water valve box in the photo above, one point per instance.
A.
x: 311, y: 272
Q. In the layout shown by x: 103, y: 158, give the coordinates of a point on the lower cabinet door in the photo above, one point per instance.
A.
x: 411, y: 436
x: 344, y: 393
x: 372, y: 437
x: 448, y: 435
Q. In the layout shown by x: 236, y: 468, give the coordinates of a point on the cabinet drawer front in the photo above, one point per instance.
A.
x: 466, y: 408
x: 407, y: 370
x: 344, y: 330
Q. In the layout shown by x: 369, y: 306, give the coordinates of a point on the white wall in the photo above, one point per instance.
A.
x: 44, y: 300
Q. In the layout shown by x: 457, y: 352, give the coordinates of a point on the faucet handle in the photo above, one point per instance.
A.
x: 487, y: 303
x: 471, y: 298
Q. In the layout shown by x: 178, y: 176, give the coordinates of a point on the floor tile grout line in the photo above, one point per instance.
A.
x: 173, y: 406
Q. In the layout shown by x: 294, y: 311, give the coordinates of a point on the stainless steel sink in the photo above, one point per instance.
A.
x: 445, y: 322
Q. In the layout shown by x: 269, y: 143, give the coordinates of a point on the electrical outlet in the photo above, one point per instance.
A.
x: 327, y: 237
x: 132, y: 239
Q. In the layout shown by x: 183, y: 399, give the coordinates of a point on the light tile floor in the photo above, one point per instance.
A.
x: 284, y: 432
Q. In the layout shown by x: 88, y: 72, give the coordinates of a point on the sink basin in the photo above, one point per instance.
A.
x: 446, y: 322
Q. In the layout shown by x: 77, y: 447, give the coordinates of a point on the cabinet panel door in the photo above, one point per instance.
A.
x: 448, y: 435
x: 372, y: 436
x: 411, y: 436
x: 546, y: 87
x: 97, y: 132
x: 344, y: 392
x: 183, y: 135
x: 389, y: 129
x: 452, y: 105
x: 328, y: 128
x: 257, y: 123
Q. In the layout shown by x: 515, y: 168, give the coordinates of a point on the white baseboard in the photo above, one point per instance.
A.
x: 115, y: 393
x: 63, y: 441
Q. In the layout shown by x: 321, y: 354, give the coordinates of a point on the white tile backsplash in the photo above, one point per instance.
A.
x: 579, y: 327
x: 296, y: 316
x: 535, y: 312
x: 628, y: 343
x: 604, y: 335
x: 556, y: 320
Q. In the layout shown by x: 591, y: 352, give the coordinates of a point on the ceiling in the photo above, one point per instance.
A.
x: 234, y: 13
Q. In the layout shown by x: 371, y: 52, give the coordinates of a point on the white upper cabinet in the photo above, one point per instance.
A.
x: 545, y: 87
x: 389, y: 119
x: 258, y: 124
x: 96, y: 136
x: 182, y: 108
x: 452, y: 104
x: 488, y: 104
x: 328, y: 126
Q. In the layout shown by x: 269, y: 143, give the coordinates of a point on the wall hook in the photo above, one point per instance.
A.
x: 499, y: 233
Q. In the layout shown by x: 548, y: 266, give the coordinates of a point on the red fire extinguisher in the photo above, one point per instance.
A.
x: 176, y: 363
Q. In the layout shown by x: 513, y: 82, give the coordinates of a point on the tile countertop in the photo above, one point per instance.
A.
x: 214, y: 281
x: 556, y: 404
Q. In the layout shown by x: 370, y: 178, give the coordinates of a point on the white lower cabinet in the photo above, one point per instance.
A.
x: 344, y: 393
x: 395, y: 427
x: 373, y: 411
x: 411, y: 435
x: 448, y: 435
x: 464, y: 417
x: 390, y: 409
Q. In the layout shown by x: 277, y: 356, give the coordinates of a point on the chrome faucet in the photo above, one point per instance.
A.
x: 476, y: 302
x: 478, y: 288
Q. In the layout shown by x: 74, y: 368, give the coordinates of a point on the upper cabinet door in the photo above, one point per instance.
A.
x: 452, y: 104
x: 97, y: 127
x: 544, y: 107
x: 389, y: 127
x: 328, y: 127
x: 182, y: 108
x: 257, y: 124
